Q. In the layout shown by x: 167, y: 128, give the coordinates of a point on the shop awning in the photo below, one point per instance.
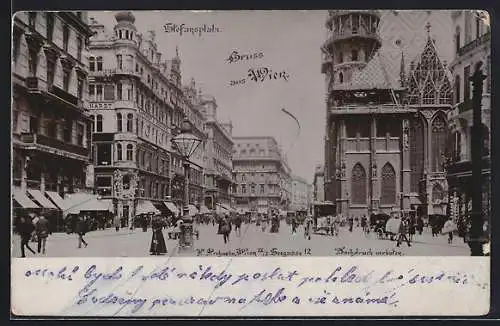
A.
x: 41, y: 199
x: 146, y: 207
x: 22, y: 199
x: 192, y: 210
x: 204, y: 210
x: 54, y: 196
x: 76, y: 203
x: 415, y: 201
x: 171, y: 207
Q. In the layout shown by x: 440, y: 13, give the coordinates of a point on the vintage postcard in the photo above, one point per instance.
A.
x: 251, y: 163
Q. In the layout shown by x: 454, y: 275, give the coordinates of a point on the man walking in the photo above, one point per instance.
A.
x: 42, y: 232
x: 403, y: 230
x: 81, y: 229
x: 25, y: 229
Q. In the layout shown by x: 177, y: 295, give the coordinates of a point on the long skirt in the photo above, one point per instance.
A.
x: 158, y: 245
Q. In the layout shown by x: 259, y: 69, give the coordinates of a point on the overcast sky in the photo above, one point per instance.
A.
x: 290, y: 41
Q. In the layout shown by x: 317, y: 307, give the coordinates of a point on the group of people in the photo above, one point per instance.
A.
x: 33, y: 226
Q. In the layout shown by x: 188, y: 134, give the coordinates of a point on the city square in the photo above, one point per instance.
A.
x: 119, y: 124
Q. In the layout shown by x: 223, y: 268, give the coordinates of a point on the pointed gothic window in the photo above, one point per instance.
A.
x: 445, y: 92
x: 341, y: 77
x: 358, y: 185
x: 388, y: 185
x: 416, y: 153
x: 429, y: 93
x: 438, y: 143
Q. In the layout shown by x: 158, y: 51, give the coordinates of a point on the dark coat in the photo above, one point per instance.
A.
x: 81, y: 227
x: 25, y: 228
x: 42, y: 228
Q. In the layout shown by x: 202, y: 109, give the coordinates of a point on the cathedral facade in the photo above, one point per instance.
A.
x: 386, y: 130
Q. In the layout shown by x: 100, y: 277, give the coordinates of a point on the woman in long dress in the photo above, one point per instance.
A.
x: 158, y: 246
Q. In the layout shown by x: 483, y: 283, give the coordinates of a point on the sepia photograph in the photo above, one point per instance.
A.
x: 353, y: 133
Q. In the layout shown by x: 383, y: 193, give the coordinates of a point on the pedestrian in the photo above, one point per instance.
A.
x: 237, y: 225
x: 116, y: 222
x: 403, y: 230
x: 449, y: 227
x: 225, y: 228
x: 25, y: 228
x: 308, y: 224
x: 158, y: 245
x: 411, y: 228
x: 294, y: 225
x: 42, y: 232
x: 351, y: 223
x: 81, y: 229
x: 420, y: 225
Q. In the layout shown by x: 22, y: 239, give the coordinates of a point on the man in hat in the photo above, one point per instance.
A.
x: 42, y: 232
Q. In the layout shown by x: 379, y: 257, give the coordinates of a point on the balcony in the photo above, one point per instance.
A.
x: 383, y: 144
x: 37, y: 139
x: 347, y: 34
x: 474, y: 44
x: 355, y: 145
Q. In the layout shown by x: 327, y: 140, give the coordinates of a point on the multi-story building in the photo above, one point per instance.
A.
x: 472, y: 43
x: 319, y: 184
x: 261, y: 176
x: 218, y: 165
x: 300, y: 194
x: 137, y: 104
x: 386, y: 129
x: 50, y: 124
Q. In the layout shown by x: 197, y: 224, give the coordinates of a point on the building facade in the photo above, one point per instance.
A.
x: 472, y: 43
x: 386, y: 127
x: 300, y: 194
x: 218, y: 164
x: 137, y: 105
x: 319, y: 184
x: 50, y: 123
x: 261, y: 175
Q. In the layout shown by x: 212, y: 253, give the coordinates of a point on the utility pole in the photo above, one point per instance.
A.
x: 476, y: 229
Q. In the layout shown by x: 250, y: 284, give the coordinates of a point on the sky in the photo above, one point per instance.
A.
x: 290, y: 41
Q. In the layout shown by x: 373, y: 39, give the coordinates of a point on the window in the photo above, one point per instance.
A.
x: 119, y: 122
x: 98, y: 91
x: 79, y: 87
x: 65, y: 38
x: 261, y: 188
x: 79, y: 49
x: 16, y: 45
x: 119, y: 91
x: 66, y: 79
x: 99, y: 63
x: 103, y: 153
x: 253, y: 188
x: 358, y: 184
x: 119, y: 62
x: 466, y: 84
x: 51, y: 66
x: 243, y: 189
x: 119, y: 152
x: 52, y: 128
x: 32, y: 19
x: 79, y: 134
x: 109, y: 92
x: 437, y: 193
x: 104, y: 186
x: 457, y: 89
x: 457, y: 39
x: 130, y: 122
x: 32, y: 61
x: 341, y: 57
x: 130, y: 152
x: 91, y: 92
x: 486, y: 140
x: 91, y: 64
x: 388, y: 185
x: 120, y: 33
x: 99, y: 123
x: 341, y: 77
x: 438, y: 143
x: 92, y: 123
x: 354, y: 55
x: 68, y: 130
x: 50, y: 26
x: 478, y: 27
x: 126, y: 34
x: 416, y: 154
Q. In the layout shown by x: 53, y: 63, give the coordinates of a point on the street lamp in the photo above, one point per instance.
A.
x: 186, y: 144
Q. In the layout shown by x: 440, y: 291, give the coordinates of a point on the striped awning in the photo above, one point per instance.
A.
x: 41, y: 199
x: 22, y: 199
x: 83, y: 202
x: 146, y: 207
x: 54, y: 196
x: 171, y: 207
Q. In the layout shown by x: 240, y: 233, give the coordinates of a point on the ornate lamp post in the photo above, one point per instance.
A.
x: 186, y: 144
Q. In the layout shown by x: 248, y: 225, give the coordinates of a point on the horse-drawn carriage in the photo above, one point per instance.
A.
x: 384, y: 226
